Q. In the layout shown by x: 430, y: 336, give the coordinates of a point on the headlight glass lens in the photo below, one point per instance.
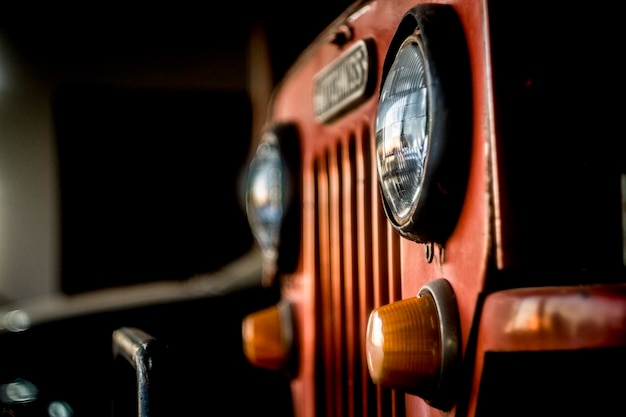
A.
x: 402, y: 139
x: 265, y: 195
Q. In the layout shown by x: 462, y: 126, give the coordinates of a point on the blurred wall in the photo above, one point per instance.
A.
x: 175, y: 48
x: 28, y: 180
x: 36, y: 62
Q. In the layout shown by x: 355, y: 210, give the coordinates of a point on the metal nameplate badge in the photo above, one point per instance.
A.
x: 345, y: 82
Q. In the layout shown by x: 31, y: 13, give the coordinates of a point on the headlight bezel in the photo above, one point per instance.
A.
x: 437, y: 32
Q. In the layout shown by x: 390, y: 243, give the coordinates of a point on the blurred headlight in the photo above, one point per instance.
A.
x: 270, y: 195
x: 423, y: 124
x: 266, y: 194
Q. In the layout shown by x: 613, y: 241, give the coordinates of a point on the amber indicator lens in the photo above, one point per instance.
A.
x: 404, y: 344
x: 413, y: 345
x: 268, y: 337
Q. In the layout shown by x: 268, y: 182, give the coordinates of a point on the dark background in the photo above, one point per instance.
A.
x: 76, y: 41
x: 151, y: 123
x: 123, y: 134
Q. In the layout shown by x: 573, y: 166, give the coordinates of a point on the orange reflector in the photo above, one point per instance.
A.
x: 268, y: 337
x: 413, y: 345
x: 404, y: 344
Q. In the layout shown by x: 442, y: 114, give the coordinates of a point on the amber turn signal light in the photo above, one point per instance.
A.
x: 268, y: 338
x: 413, y: 345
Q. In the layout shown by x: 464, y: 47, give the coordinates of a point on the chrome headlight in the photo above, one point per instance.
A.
x: 423, y: 124
x: 270, y: 194
x: 266, y: 194
x: 402, y: 138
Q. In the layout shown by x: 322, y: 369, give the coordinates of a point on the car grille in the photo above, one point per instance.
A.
x: 357, y: 269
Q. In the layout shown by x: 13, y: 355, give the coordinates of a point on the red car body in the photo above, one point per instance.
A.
x: 534, y: 255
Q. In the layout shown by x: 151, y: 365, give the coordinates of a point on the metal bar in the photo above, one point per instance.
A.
x: 137, y: 347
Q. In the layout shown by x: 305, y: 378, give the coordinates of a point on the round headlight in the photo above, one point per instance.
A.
x: 266, y: 195
x: 423, y: 124
x: 402, y: 141
x: 271, y: 195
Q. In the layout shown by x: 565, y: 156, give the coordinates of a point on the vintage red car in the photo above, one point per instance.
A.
x: 439, y: 194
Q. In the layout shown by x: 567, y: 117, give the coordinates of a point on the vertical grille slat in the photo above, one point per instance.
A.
x: 358, y: 268
x: 337, y: 279
x: 323, y: 280
x: 380, y: 278
x: 351, y: 285
x: 364, y: 192
x: 394, y: 273
x: 395, y: 294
